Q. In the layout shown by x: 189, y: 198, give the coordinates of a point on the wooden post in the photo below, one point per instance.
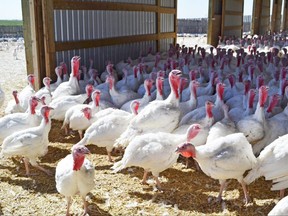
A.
x: 214, y: 22
x: 285, y: 16
x: 27, y: 35
x: 158, y: 25
x: 49, y: 39
x: 276, y: 16
x: 175, y: 21
x: 256, y: 16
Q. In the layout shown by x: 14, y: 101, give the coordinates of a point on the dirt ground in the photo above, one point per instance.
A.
x: 186, y: 191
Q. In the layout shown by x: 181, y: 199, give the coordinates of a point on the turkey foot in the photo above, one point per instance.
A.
x: 144, y: 180
x: 110, y: 157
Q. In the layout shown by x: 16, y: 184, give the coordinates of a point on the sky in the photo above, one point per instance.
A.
x: 11, y: 9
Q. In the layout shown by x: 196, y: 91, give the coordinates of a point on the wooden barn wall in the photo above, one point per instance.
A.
x: 232, y: 18
x: 265, y: 17
x: 100, y: 29
x: 101, y: 55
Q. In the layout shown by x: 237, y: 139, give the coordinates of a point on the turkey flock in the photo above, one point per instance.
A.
x: 225, y: 107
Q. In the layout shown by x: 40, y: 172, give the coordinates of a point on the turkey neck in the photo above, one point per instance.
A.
x: 78, y: 162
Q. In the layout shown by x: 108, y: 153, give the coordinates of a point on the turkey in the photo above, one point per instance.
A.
x: 45, y: 91
x: 58, y: 72
x: 19, y: 121
x: 27, y: 92
x: 14, y: 106
x: 30, y: 143
x: 75, y: 118
x: 154, y: 152
x: 106, y: 129
x: 281, y: 208
x: 271, y: 163
x: 253, y: 125
x: 62, y: 104
x: 222, y: 128
x: 227, y: 157
x: 71, y: 87
x: 119, y: 97
x: 162, y: 116
x: 148, y: 83
x: 75, y: 174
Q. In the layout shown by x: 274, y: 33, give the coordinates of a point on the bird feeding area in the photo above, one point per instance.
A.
x: 185, y: 191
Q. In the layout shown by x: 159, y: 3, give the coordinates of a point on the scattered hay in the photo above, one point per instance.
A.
x: 186, y: 191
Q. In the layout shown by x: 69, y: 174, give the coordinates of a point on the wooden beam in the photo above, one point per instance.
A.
x: 232, y: 27
x: 285, y: 16
x: 158, y: 25
x: 27, y: 35
x: 214, y: 21
x: 73, y: 45
x: 114, y: 6
x: 175, y: 22
x: 36, y: 45
x: 236, y: 13
x: 49, y: 39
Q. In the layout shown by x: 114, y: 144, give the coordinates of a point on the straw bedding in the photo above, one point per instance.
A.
x: 186, y: 191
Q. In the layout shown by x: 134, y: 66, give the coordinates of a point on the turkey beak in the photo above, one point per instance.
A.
x: 177, y: 150
x: 86, y: 151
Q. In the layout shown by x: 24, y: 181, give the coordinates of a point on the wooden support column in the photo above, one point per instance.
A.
x: 175, y: 22
x: 285, y: 16
x: 276, y: 16
x: 34, y: 47
x: 158, y: 25
x: 27, y: 35
x: 214, y: 21
x: 256, y: 17
x: 49, y: 38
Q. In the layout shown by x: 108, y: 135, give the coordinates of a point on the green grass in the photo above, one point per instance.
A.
x: 11, y: 22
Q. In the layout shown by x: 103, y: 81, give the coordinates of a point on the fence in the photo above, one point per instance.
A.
x: 200, y: 26
x: 11, y: 31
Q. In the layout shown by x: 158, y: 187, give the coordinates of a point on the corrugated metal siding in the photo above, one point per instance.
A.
x: 73, y: 25
x: 122, y: 1
x: 167, y: 22
x: 165, y: 43
x: 100, y: 55
x: 167, y: 3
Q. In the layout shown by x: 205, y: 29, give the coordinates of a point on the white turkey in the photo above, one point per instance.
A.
x: 154, y: 152
x: 75, y: 174
x: 76, y: 119
x: 71, y: 87
x: 271, y: 163
x: 14, y: 106
x: 45, y: 91
x: 162, y: 116
x: 19, y: 121
x: 148, y: 83
x: 58, y: 72
x: 281, y: 208
x: 29, y: 143
x: 120, y: 97
x: 227, y: 157
x: 106, y: 129
x: 62, y: 104
x: 26, y: 93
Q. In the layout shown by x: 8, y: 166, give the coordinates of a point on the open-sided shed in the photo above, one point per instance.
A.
x: 55, y: 30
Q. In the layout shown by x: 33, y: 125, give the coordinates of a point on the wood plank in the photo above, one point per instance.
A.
x: 27, y: 35
x: 232, y: 27
x: 73, y: 45
x: 158, y: 25
x: 233, y: 13
x: 49, y: 39
x: 73, y: 5
x: 175, y: 22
